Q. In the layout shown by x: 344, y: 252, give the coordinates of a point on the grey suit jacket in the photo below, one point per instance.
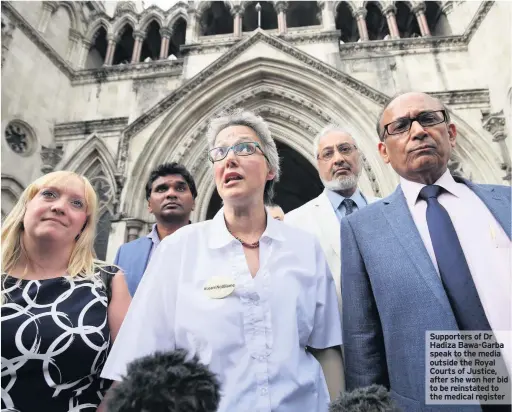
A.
x: 392, y: 295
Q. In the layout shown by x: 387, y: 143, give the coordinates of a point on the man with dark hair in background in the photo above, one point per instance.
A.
x: 171, y: 193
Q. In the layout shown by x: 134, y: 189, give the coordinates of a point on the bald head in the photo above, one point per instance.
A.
x: 407, y: 102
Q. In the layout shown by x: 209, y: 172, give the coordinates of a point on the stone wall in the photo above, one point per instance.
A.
x: 35, y: 91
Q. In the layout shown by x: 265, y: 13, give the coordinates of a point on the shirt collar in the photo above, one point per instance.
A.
x: 153, y: 235
x: 412, y: 189
x: 336, y: 199
x: 219, y: 235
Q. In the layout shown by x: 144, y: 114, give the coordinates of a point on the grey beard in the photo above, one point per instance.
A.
x: 342, y: 183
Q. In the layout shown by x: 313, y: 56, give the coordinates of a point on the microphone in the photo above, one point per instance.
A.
x: 165, y: 382
x: 373, y: 398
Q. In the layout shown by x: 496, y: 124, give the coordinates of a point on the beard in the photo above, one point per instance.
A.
x: 341, y: 183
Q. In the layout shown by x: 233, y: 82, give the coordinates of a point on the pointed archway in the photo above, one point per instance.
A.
x: 294, y: 94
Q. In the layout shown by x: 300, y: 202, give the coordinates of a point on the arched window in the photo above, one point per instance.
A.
x: 375, y: 22
x: 152, y: 43
x: 216, y: 19
x: 437, y: 20
x: 98, y: 50
x: 406, y: 21
x: 105, y: 194
x: 179, y: 31
x: 124, y: 46
x: 268, y: 16
x: 346, y: 23
x: 302, y: 14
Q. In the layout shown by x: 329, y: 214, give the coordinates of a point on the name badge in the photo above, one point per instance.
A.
x: 218, y: 287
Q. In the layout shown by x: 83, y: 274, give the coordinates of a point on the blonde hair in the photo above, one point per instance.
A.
x: 82, y: 262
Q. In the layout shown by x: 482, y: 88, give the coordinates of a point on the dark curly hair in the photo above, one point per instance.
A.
x: 165, y: 382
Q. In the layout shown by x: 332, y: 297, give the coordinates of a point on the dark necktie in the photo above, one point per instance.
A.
x: 349, y: 206
x: 453, y: 267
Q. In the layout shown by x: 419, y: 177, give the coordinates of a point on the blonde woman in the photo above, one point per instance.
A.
x: 251, y: 296
x: 61, y: 308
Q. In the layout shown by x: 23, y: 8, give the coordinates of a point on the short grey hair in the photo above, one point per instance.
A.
x: 240, y: 117
x: 325, y: 131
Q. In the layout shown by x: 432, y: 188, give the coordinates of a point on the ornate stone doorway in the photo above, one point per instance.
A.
x: 299, y: 182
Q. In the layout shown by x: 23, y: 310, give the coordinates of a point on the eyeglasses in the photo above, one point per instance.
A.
x: 239, y: 149
x: 343, y: 149
x: 403, y: 124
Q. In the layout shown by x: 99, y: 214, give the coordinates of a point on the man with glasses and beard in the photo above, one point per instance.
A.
x: 339, y: 167
x: 432, y: 256
x: 171, y: 193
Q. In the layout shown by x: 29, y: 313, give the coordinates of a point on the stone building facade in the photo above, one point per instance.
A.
x: 111, y: 89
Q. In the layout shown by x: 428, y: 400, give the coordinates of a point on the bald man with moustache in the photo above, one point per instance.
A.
x: 434, y: 255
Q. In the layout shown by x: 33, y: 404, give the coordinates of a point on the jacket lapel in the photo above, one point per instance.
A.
x: 141, y: 259
x: 497, y: 204
x: 402, y: 224
x: 328, y: 222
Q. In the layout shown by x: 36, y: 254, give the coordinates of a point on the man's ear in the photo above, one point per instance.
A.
x: 383, y: 151
x: 193, y: 204
x: 150, y: 209
x: 452, y: 133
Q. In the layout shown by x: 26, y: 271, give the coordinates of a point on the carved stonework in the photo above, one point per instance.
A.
x: 134, y: 228
x: 50, y: 157
x: 20, y: 138
x: 203, y: 78
x: 468, y: 97
x: 7, y: 31
x: 130, y: 71
x: 480, y: 14
x: 456, y: 167
x: 73, y: 129
x: 495, y: 124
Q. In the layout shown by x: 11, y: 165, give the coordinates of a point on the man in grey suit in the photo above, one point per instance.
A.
x: 434, y: 255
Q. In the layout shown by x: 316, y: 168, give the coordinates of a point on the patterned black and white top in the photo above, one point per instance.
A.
x: 55, y: 340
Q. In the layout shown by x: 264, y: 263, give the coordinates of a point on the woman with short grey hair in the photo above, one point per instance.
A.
x: 251, y: 296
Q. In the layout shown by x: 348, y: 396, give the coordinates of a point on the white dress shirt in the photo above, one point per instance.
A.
x: 255, y: 339
x: 486, y: 247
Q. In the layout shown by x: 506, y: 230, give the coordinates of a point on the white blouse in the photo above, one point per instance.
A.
x: 255, y: 339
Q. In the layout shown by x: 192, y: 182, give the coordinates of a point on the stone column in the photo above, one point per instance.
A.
x: 419, y: 11
x: 166, y: 34
x: 133, y: 229
x: 495, y: 124
x: 50, y: 157
x: 139, y: 37
x: 192, y: 27
x: 74, y: 40
x: 237, y: 13
x: 361, y: 24
x: 328, y: 20
x: 281, y: 7
x: 83, y: 53
x: 390, y: 13
x: 49, y: 7
x: 111, y: 49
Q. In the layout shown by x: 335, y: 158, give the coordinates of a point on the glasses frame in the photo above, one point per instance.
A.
x: 258, y: 146
x: 411, y: 120
x: 318, y: 156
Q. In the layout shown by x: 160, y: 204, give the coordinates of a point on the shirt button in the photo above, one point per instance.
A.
x: 264, y: 391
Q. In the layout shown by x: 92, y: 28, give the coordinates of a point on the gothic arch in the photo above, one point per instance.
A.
x: 175, y: 15
x: 147, y: 18
x: 74, y: 15
x: 292, y: 85
x: 204, y: 5
x: 11, y: 192
x: 95, y: 25
x: 120, y: 23
x: 92, y: 150
x: 351, y: 5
